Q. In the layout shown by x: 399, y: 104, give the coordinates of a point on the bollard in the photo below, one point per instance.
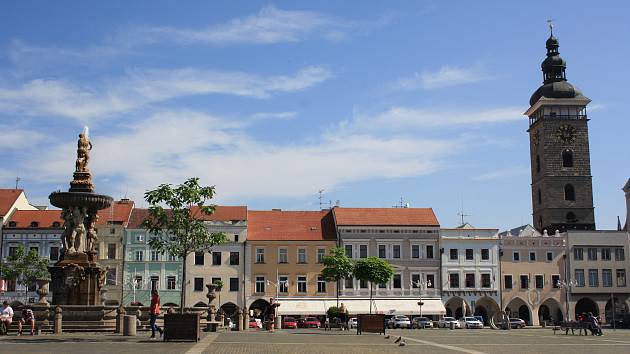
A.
x: 120, y: 313
x: 452, y: 324
x: 129, y: 328
x: 239, y: 320
x: 57, y: 320
x: 245, y: 320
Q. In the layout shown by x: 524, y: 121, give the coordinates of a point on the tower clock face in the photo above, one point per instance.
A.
x: 566, y: 134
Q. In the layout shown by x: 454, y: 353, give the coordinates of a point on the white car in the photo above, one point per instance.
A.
x: 470, y: 322
x: 445, y: 322
x: 399, y: 321
x: 353, y: 322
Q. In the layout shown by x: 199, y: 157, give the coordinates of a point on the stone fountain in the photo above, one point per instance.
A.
x: 77, y: 278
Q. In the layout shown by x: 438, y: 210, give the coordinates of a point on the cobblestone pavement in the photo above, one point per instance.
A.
x: 318, y: 341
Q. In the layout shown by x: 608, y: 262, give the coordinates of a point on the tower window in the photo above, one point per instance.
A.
x: 569, y: 192
x: 537, y: 163
x: 567, y: 158
x: 539, y: 196
x: 571, y: 217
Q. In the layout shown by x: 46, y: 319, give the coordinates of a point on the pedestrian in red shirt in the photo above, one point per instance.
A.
x: 154, y: 312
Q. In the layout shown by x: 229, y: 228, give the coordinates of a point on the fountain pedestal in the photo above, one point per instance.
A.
x: 76, y: 283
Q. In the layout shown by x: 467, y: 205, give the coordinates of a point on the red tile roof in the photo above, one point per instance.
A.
x: 385, y: 217
x: 7, y: 198
x: 118, y: 213
x: 221, y: 213
x: 43, y: 218
x: 290, y: 226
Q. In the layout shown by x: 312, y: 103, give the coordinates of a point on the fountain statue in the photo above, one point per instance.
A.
x: 77, y: 278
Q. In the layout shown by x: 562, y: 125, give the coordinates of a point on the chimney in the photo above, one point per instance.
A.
x: 626, y: 190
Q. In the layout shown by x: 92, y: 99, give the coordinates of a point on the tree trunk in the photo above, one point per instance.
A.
x: 338, y: 295
x: 183, y: 294
x: 371, y: 298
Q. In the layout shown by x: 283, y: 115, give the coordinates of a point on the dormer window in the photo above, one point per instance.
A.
x: 56, y: 224
x: 34, y: 224
x: 12, y: 224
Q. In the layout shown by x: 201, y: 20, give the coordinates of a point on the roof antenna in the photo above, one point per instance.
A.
x: 461, y: 212
x: 17, y: 181
x: 321, y: 196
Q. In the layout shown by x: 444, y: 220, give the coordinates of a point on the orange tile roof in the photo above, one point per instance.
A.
x: 277, y: 225
x: 44, y: 218
x: 221, y: 213
x: 7, y: 198
x: 385, y: 217
x: 137, y: 217
x: 118, y: 213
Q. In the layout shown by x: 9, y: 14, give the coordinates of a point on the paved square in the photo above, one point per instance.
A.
x: 318, y: 341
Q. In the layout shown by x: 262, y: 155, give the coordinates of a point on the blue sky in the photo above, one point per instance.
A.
x: 271, y: 102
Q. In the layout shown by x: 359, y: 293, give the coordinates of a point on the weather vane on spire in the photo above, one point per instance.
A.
x: 550, y: 23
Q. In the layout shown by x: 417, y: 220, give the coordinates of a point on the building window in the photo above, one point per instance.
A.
x: 540, y: 281
x: 382, y: 286
x: 321, y: 253
x: 593, y: 278
x: 301, y: 252
x: 431, y: 280
x: 469, y: 254
x: 516, y: 256
x: 348, y: 249
x: 301, y: 284
x: 363, y: 251
x: 348, y: 283
x: 567, y: 158
x: 54, y: 253
x: 363, y: 284
x: 155, y: 280
x: 607, y: 278
x: 485, y: 280
x: 138, y: 281
x: 260, y: 255
x: 415, y: 251
x: 592, y: 254
x: 36, y: 249
x: 453, y: 280
x: 619, y: 255
x: 429, y: 254
x: 396, y: 251
x: 540, y: 200
x: 621, y: 277
x: 283, y: 255
x: 233, y: 284
x: 199, y: 258
x: 34, y: 224
x: 172, y: 258
x: 397, y: 281
x: 555, y: 281
x: 569, y: 192
x: 12, y: 251
x: 260, y: 284
x: 606, y: 254
x: 234, y: 258
x: 537, y: 163
x: 485, y: 254
x: 578, y: 254
x: 111, y: 276
x: 321, y: 284
x: 579, y: 278
x: 198, y: 284
x: 216, y: 258
x: 453, y: 254
x: 549, y: 256
x: 155, y: 256
x: 415, y: 278
x: 139, y: 238
x: 507, y: 281
x: 139, y: 256
x: 11, y: 284
x: 283, y: 284
x: 524, y: 281
x: 111, y: 251
x: 170, y: 282
x: 382, y: 251
x: 532, y: 256
x: 470, y: 280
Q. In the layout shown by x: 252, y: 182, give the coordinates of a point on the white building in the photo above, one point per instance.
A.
x: 470, y: 271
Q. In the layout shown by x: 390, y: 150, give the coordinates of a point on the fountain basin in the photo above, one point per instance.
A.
x: 89, y: 200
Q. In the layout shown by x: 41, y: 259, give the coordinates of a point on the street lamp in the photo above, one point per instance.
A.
x: 421, y: 284
x: 567, y: 285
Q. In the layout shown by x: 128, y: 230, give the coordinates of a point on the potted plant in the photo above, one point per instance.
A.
x: 182, y: 221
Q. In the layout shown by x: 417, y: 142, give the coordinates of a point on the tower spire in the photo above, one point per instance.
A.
x: 550, y: 23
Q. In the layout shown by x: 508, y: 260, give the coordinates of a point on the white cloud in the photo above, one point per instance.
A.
x: 269, y: 25
x: 503, y: 173
x: 445, y: 77
x: 142, y: 87
x: 273, y: 116
x: 16, y: 138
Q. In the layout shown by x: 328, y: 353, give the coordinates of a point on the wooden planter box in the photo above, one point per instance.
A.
x: 184, y: 326
x: 371, y: 323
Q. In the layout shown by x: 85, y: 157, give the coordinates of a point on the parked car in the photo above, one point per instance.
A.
x: 353, y: 323
x: 255, y: 323
x: 312, y: 322
x: 470, y: 322
x: 480, y: 318
x: 399, y: 321
x: 517, y: 323
x: 445, y: 322
x: 421, y: 322
x: 289, y: 322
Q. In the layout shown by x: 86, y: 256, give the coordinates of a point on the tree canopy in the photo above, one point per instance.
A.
x: 337, y: 266
x: 375, y: 270
x: 25, y: 266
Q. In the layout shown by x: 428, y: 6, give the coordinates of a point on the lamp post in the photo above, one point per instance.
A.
x: 567, y: 285
x: 421, y: 284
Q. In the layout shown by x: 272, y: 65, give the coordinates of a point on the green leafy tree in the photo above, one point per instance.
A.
x: 182, y: 221
x: 375, y: 270
x: 25, y: 267
x: 337, y: 266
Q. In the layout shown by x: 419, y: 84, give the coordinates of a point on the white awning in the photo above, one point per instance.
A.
x: 355, y: 306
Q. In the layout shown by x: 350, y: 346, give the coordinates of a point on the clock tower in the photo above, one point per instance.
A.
x: 562, y: 189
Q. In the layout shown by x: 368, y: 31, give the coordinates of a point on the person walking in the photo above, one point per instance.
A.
x: 154, y: 312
